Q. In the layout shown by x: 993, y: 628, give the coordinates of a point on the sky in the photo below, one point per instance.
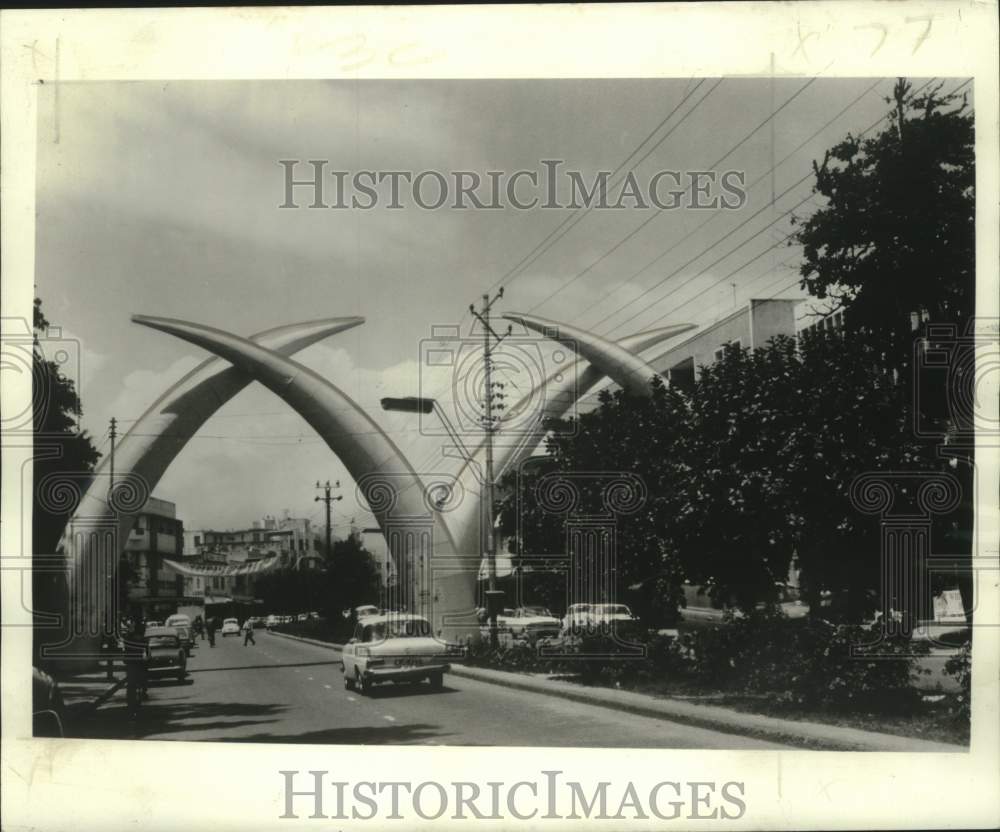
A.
x: 162, y: 199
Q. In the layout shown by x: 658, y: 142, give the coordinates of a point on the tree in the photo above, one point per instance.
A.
x: 896, y: 236
x: 895, y: 245
x: 60, y: 451
x: 625, y: 434
x: 351, y: 579
x: 752, y: 468
x: 353, y: 573
x: 59, y: 447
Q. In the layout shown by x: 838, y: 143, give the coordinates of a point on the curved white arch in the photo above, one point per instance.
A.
x: 624, y: 367
x: 144, y: 453
x: 563, y: 388
x: 365, y: 451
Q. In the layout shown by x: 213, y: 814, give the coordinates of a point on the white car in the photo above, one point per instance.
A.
x: 531, y: 623
x: 604, y: 617
x: 577, y: 616
x: 365, y: 611
x: 181, y: 623
x: 230, y: 627
x: 395, y: 647
x: 271, y: 621
x: 611, y: 614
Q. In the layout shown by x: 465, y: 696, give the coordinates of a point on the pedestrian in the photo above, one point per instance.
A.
x: 248, y: 633
x: 210, y: 627
x: 199, y: 627
x: 135, y: 666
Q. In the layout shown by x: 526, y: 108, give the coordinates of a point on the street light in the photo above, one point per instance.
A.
x: 409, y: 404
x: 425, y: 406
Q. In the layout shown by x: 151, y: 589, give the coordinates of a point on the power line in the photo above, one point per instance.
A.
x: 579, y: 213
x: 656, y: 215
x: 719, y: 212
x: 525, y: 261
x: 729, y: 233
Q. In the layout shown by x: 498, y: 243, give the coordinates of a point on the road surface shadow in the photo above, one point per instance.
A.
x: 365, y: 735
x: 275, y: 666
x: 173, y: 717
x: 393, y: 690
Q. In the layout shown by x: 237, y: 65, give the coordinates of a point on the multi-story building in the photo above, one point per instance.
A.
x: 290, y: 539
x: 750, y: 326
x: 157, y: 534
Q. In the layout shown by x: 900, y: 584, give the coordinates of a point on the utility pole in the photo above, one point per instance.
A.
x: 326, y: 498
x: 113, y: 432
x: 492, y: 404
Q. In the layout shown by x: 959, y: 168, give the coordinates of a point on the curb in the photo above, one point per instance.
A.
x: 811, y: 735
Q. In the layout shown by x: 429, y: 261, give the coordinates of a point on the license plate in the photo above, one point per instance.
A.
x: 408, y: 662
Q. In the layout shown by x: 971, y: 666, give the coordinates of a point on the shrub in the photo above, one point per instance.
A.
x: 960, y: 666
x: 519, y: 656
x: 806, y: 662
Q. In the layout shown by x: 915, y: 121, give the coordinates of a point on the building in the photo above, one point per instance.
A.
x: 752, y: 325
x: 290, y: 539
x: 156, y: 535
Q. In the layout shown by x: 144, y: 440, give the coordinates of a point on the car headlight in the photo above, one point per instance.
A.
x: 363, y: 651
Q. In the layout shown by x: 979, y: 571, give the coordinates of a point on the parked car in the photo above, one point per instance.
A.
x: 230, y: 627
x: 577, y: 617
x: 271, y: 621
x: 605, y: 613
x: 364, y: 611
x: 182, y: 623
x: 617, y: 618
x: 302, y: 616
x: 47, y: 711
x: 154, y: 623
x: 531, y: 623
x: 593, y: 618
x: 395, y: 647
x: 165, y: 653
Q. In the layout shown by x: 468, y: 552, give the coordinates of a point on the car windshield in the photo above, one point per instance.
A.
x: 397, y: 628
x: 162, y: 641
x: 230, y: 621
x: 535, y: 611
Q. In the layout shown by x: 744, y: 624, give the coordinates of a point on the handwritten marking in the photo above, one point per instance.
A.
x: 929, y: 19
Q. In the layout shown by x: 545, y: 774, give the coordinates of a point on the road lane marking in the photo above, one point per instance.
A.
x: 351, y: 699
x: 310, y: 679
x: 328, y: 686
x: 389, y: 718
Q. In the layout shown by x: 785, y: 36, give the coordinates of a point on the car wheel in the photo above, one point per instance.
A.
x: 436, y: 680
x: 361, y: 683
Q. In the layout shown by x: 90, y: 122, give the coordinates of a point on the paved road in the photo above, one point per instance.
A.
x: 289, y: 691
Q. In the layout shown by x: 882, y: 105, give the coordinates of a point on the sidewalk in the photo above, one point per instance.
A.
x: 813, y: 735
